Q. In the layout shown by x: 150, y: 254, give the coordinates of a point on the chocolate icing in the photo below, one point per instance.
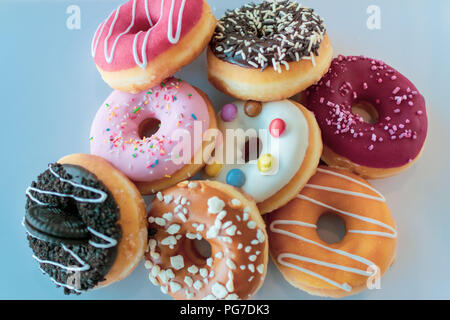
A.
x: 268, y: 34
x: 101, y: 217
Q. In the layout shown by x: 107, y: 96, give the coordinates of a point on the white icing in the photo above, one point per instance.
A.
x: 101, y: 199
x: 291, y: 146
x: 65, y: 285
x: 172, y: 39
x: 109, y: 58
x: 111, y: 242
x: 144, y: 62
x: 148, y: 13
x: 357, y: 194
x: 84, y: 266
x: 368, y: 263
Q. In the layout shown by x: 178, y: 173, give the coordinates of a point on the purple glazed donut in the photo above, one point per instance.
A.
x: 377, y: 150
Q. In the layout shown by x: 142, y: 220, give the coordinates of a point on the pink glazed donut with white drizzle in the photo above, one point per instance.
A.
x: 143, y: 42
x: 155, y: 137
x: 392, y: 136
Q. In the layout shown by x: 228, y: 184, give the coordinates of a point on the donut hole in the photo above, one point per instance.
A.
x: 366, y: 111
x: 331, y: 228
x: 149, y: 127
x: 202, y: 248
x: 252, y: 149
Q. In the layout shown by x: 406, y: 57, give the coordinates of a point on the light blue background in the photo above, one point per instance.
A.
x: 50, y: 91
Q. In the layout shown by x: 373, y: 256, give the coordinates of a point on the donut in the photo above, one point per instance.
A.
x: 289, y: 150
x: 381, y: 149
x: 268, y: 51
x: 333, y: 270
x: 225, y: 218
x: 118, y: 133
x: 143, y: 42
x: 86, y: 223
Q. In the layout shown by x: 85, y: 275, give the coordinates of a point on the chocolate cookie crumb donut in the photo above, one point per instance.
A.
x: 261, y: 45
x: 77, y: 225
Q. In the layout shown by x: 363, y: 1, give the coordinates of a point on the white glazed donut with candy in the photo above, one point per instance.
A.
x: 143, y: 42
x: 290, y: 146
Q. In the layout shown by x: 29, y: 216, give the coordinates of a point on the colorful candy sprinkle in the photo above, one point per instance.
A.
x: 229, y: 112
x: 136, y: 110
x: 235, y: 178
x: 265, y: 162
x: 213, y: 170
x: 277, y: 127
x: 252, y: 108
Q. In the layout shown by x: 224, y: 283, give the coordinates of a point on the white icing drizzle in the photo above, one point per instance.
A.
x: 368, y: 263
x: 96, y: 38
x: 170, y: 36
x: 84, y: 266
x: 112, y: 242
x: 65, y: 285
x: 142, y: 64
x: 357, y: 194
x: 102, y: 194
x: 57, y: 264
x: 148, y: 13
x: 109, y: 58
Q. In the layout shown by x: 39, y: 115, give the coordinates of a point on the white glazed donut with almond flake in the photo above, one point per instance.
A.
x: 289, y: 153
x: 229, y: 221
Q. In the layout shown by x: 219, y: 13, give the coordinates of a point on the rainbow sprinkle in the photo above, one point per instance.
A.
x: 136, y: 110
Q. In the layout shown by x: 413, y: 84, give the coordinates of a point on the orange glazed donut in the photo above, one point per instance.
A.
x: 221, y: 215
x: 268, y: 51
x: 341, y: 269
x: 143, y: 42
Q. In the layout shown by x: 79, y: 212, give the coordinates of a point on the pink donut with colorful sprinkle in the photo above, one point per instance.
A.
x: 141, y: 134
x: 374, y: 149
x: 143, y: 42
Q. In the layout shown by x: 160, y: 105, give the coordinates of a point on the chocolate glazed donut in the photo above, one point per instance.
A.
x: 268, y: 51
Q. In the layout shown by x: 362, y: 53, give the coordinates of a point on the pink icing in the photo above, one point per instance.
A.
x: 397, y: 137
x: 115, y: 136
x: 138, y: 31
